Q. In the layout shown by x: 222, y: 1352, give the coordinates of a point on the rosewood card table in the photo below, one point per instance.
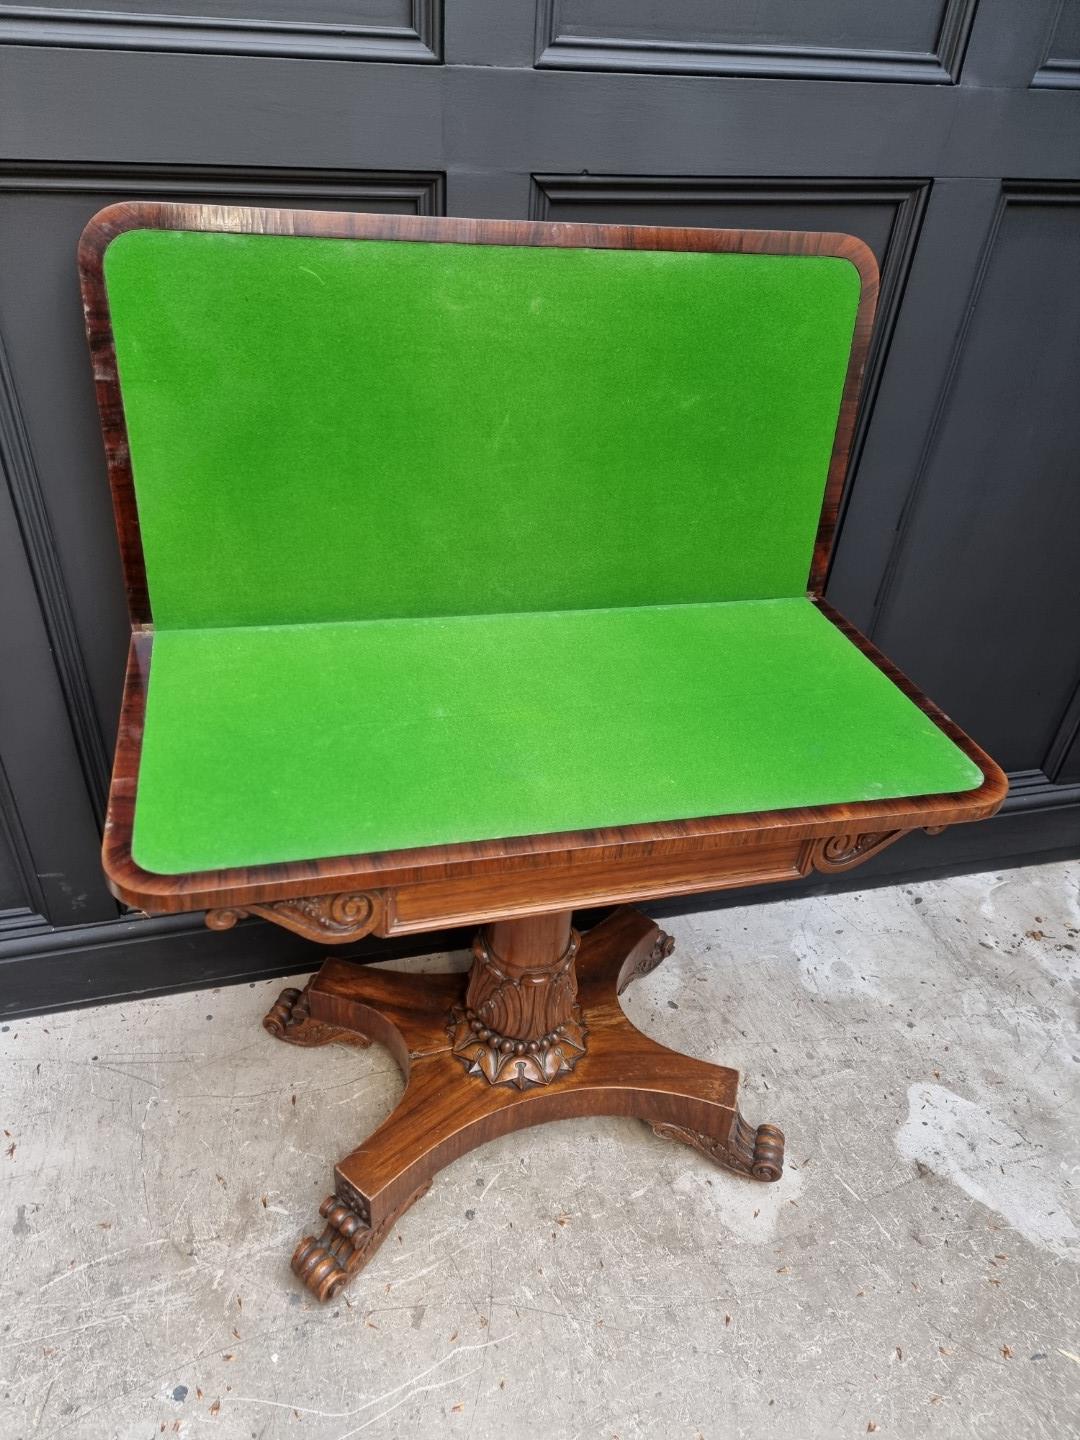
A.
x: 475, y: 573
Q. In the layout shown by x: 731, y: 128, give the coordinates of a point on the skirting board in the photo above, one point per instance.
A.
x: 131, y: 959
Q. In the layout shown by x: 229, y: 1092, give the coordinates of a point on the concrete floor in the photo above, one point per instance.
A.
x: 913, y: 1274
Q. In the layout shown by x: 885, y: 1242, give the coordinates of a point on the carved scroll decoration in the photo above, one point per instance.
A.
x: 648, y: 962
x: 346, y: 1244
x: 331, y: 919
x: 843, y: 852
x: 758, y: 1152
x: 289, y: 1019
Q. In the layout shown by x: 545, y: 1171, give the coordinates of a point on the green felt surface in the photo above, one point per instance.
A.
x: 301, y: 742
x: 331, y: 430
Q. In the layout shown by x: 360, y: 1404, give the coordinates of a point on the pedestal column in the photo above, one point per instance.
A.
x: 521, y: 1024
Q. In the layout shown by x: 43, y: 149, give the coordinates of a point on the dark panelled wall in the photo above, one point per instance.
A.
x: 946, y: 133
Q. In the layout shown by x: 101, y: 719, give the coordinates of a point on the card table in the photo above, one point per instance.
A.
x: 475, y: 571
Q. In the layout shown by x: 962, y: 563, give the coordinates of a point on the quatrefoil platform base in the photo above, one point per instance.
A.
x: 534, y: 1033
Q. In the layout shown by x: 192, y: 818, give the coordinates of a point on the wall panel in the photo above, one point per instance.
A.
x: 946, y: 133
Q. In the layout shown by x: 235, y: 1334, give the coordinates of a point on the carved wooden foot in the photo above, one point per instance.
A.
x: 535, y: 1033
x: 645, y: 962
x: 758, y: 1153
x: 289, y: 1019
x: 345, y: 1246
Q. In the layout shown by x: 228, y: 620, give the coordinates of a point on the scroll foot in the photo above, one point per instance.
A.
x: 346, y: 1244
x: 289, y: 1019
x: 758, y: 1153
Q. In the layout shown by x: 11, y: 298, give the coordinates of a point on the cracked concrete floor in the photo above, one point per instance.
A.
x: 914, y: 1273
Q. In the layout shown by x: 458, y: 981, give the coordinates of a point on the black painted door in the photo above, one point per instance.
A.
x: 944, y: 132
